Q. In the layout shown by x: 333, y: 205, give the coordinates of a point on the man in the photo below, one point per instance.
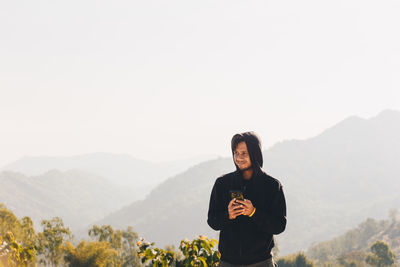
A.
x: 247, y: 226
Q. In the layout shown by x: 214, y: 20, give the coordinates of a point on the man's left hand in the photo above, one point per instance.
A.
x: 247, y: 206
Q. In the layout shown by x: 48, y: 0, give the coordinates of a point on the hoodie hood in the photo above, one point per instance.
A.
x: 253, y: 144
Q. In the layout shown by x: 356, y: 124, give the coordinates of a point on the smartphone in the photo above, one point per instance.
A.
x: 238, y: 194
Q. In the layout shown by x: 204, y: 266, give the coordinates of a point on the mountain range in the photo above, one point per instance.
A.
x: 140, y: 176
x: 331, y: 181
x: 75, y: 196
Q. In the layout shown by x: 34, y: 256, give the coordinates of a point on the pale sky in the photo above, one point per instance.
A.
x: 164, y: 80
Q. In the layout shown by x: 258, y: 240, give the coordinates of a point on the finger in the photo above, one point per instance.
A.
x: 234, y: 209
x: 231, y: 202
x: 240, y: 201
x: 234, y: 214
x: 237, y: 208
x: 237, y: 212
x: 237, y: 205
x: 246, y: 200
x: 246, y: 204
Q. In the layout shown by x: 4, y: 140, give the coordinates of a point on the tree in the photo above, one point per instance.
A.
x: 89, y: 254
x: 22, y: 230
x: 18, y: 239
x: 52, y: 240
x: 12, y: 254
x: 355, y: 258
x: 122, y: 241
x: 381, y: 255
x: 29, y: 237
x: 129, y: 253
x: 9, y: 223
x: 295, y: 260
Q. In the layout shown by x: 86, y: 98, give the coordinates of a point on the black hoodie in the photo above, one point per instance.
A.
x: 247, y: 240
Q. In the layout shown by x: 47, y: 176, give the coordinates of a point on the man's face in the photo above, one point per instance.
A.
x: 241, y: 156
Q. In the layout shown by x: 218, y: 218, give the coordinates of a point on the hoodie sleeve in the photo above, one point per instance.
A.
x: 218, y: 216
x: 273, y: 220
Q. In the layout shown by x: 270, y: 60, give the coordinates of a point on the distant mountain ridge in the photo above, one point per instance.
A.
x: 75, y: 196
x: 331, y: 182
x: 120, y: 169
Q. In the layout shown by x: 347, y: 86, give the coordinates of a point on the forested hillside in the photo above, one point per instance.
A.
x: 77, y: 197
x: 355, y: 244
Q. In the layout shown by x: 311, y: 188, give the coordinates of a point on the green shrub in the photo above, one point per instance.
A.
x: 199, y: 252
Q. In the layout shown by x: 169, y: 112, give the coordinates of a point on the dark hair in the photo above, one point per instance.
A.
x: 253, y: 144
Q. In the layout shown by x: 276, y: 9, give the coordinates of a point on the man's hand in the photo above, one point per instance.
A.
x: 234, y: 209
x: 247, y: 206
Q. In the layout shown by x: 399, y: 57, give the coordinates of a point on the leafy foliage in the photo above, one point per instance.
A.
x: 53, y: 246
x: 295, y: 260
x: 198, y: 252
x: 52, y: 240
x: 22, y: 230
x: 123, y: 242
x: 12, y: 254
x: 381, y: 255
x: 21, y: 246
x: 355, y: 258
x: 89, y: 254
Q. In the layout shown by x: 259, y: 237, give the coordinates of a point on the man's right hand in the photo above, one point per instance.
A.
x: 234, y: 209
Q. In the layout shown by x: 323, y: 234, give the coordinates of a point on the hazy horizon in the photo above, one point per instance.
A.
x: 170, y: 80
